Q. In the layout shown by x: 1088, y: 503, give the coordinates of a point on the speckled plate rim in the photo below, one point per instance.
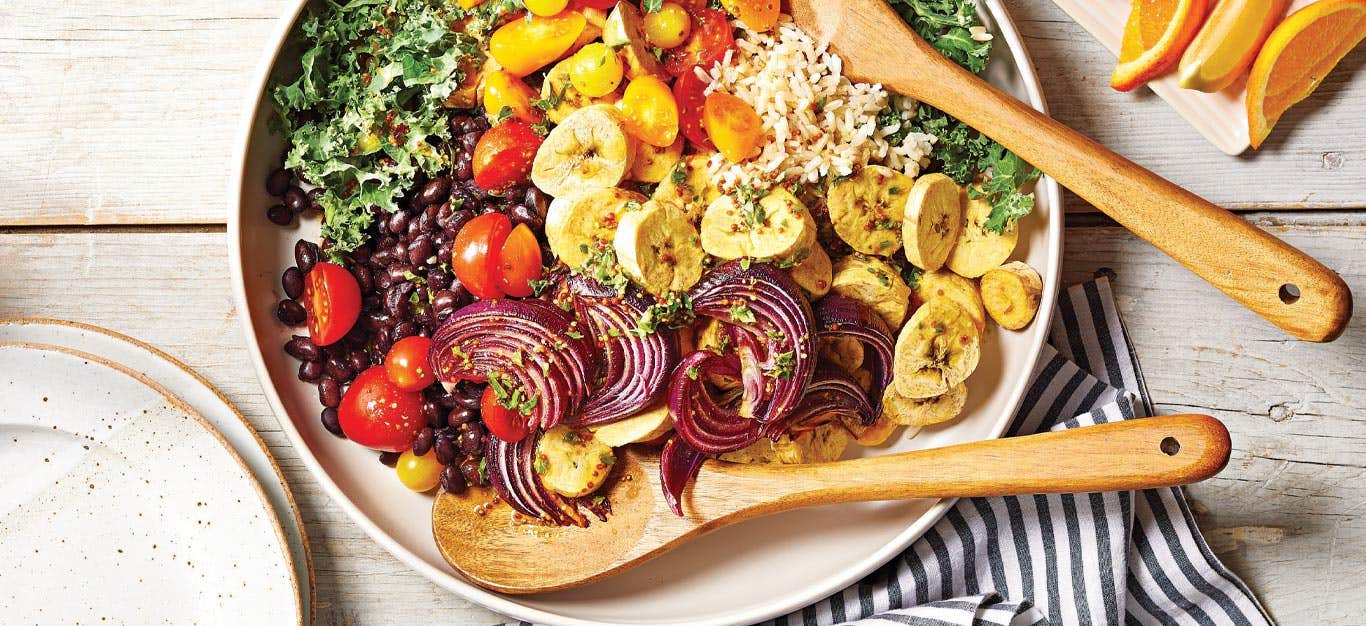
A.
x: 998, y: 16
x: 304, y: 550
x: 282, y: 542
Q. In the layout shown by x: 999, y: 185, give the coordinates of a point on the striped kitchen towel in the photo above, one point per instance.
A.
x: 1099, y: 558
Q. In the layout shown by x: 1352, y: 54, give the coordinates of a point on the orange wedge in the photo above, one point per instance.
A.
x: 1156, y: 34
x: 1297, y: 56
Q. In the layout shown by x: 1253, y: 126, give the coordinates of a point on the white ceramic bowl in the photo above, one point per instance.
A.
x: 743, y: 574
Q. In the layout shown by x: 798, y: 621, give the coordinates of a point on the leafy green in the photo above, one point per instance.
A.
x: 945, y: 24
x: 366, y: 112
x: 961, y: 152
x: 651, y: 6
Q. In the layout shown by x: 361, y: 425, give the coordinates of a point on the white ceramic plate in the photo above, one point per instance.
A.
x: 122, y: 503
x: 743, y: 574
x: 191, y: 388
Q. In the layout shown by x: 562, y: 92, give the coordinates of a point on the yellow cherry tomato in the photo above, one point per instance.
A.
x: 419, y: 473
x: 546, y: 8
x: 469, y: 4
x: 668, y: 27
x: 650, y: 110
x: 733, y: 125
x: 595, y: 70
x: 527, y: 44
x: 503, y: 90
x: 760, y: 15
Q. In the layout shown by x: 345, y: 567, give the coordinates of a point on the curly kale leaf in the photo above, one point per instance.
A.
x: 945, y: 24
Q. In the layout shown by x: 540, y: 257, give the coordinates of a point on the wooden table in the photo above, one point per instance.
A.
x: 116, y: 132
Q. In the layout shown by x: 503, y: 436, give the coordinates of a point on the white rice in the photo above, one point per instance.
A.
x: 819, y: 123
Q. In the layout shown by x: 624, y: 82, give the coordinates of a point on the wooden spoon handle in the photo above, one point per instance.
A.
x: 1268, y: 276
x: 1132, y: 454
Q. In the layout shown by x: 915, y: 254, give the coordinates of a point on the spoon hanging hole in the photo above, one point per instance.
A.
x: 1289, y: 293
x: 1169, y: 446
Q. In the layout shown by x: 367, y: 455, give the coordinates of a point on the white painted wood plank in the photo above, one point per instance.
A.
x: 127, y: 113
x: 1286, y: 514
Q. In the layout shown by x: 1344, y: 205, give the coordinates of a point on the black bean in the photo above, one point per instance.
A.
x: 438, y: 279
x: 538, y: 200
x: 332, y: 422
x: 433, y: 412
x: 444, y: 253
x: 459, y: 416
x: 445, y: 449
x: 278, y: 182
x: 443, y: 211
x: 420, y: 250
x: 452, y: 480
x: 422, y: 443
x: 397, y: 223
x: 382, y: 279
x: 364, y: 277
x: 291, y: 312
x: 303, y: 348
x: 329, y: 392
x: 404, y: 329
x: 443, y: 304
x: 523, y: 214
x: 310, y: 371
x: 470, y: 397
x: 446, y: 400
x: 357, y: 360
x: 305, y: 255
x: 398, y: 272
x: 313, y: 197
x: 340, y: 369
x: 472, y: 438
x: 361, y: 255
x: 389, y: 458
x: 296, y: 200
x: 279, y: 215
x: 293, y: 282
x: 435, y: 191
x: 469, y: 469
x: 396, y: 299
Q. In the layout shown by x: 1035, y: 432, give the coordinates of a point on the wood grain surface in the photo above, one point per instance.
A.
x: 123, y: 113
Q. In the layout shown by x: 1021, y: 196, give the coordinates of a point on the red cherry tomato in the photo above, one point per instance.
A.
x: 503, y: 156
x: 332, y: 297
x: 476, y: 251
x: 406, y: 364
x: 710, y: 39
x: 376, y: 414
x: 689, y: 94
x: 506, y: 424
x: 520, y: 262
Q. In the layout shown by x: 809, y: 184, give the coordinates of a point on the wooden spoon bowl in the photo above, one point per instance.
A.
x: 498, y: 549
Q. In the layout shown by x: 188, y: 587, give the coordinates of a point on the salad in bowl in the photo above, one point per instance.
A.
x: 553, y: 228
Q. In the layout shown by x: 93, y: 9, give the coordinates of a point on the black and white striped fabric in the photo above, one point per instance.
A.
x: 1099, y: 558
x: 1095, y: 559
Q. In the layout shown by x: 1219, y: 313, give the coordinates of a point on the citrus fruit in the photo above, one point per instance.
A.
x: 1296, y: 57
x: 1228, y: 43
x: 1155, y: 35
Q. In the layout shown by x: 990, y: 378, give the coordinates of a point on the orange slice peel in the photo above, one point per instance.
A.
x: 1155, y: 35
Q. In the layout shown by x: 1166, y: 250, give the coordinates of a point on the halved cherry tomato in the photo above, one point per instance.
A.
x: 760, y: 15
x: 690, y: 97
x: 475, y: 254
x: 376, y: 414
x: 407, y: 365
x: 733, y: 126
x: 710, y: 39
x: 650, y: 110
x: 332, y: 298
x: 520, y: 262
x: 546, y: 7
x: 506, y: 424
x: 531, y: 42
x: 504, y: 154
x: 503, y: 90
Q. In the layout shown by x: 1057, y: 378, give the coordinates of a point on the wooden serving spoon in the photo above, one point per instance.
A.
x: 1272, y: 278
x: 486, y: 542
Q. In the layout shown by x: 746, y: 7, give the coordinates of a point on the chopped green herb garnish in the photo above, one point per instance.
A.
x: 783, y: 365
x: 740, y: 312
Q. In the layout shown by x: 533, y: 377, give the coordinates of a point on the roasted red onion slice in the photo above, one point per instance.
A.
x: 764, y: 301
x: 635, y: 365
x: 838, y: 315
x: 678, y: 465
x: 705, y: 424
x: 512, y: 471
x: 832, y: 395
x: 537, y: 345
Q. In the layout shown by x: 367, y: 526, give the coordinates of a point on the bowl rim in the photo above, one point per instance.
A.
x: 257, y: 90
